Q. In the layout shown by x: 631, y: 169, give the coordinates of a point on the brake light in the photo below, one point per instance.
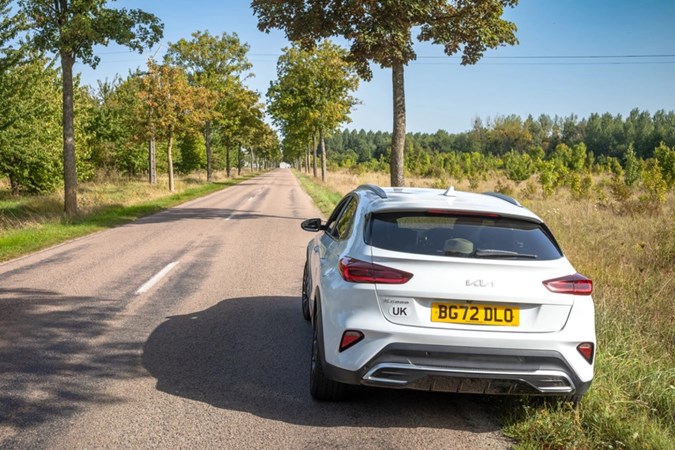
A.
x: 356, y: 271
x: 350, y: 338
x: 462, y: 213
x: 586, y: 350
x: 576, y: 284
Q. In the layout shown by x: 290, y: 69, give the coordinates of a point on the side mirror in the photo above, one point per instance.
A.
x: 312, y: 225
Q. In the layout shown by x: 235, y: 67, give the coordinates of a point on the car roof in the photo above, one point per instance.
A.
x: 424, y: 199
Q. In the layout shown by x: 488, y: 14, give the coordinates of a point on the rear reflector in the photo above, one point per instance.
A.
x: 356, y: 271
x: 350, y: 338
x: 586, y: 350
x: 572, y: 284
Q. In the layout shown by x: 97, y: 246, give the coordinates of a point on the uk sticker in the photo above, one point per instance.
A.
x: 398, y: 309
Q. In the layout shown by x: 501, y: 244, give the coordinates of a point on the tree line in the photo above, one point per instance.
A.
x: 195, y: 100
x: 604, y: 135
x: 635, y: 151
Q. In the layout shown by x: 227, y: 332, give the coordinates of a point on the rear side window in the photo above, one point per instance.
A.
x: 461, y: 236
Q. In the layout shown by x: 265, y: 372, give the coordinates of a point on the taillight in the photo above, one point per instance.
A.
x: 356, y: 271
x: 350, y: 338
x: 586, y: 350
x: 572, y: 284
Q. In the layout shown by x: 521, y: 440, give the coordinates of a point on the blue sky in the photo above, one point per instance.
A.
x: 442, y: 94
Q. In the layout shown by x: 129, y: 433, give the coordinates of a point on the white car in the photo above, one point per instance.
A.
x: 444, y: 291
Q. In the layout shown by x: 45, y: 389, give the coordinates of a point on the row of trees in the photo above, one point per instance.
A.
x: 195, y: 100
x: 311, y: 97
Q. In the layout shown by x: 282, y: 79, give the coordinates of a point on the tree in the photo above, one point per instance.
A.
x: 312, y: 94
x: 381, y: 32
x: 173, y: 105
x: 244, y: 113
x: 215, y: 63
x: 71, y: 29
x: 29, y: 95
x: 10, y: 58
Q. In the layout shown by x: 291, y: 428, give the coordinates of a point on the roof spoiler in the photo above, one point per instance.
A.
x: 372, y: 188
x: 504, y: 197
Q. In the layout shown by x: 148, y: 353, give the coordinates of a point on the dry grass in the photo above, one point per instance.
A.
x: 28, y: 212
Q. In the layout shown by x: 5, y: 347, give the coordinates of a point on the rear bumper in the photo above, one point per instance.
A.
x: 466, y: 370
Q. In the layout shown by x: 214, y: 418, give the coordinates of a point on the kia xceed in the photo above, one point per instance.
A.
x: 444, y: 291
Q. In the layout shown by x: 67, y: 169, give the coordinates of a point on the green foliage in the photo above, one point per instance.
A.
x: 381, y: 31
x: 29, y: 139
x: 312, y: 94
x: 580, y: 185
x: 217, y: 64
x: 518, y: 166
x: 548, y: 178
x: 666, y: 159
x: 324, y: 198
x: 654, y: 184
x: 75, y: 28
x: 632, y: 167
x: 192, y: 154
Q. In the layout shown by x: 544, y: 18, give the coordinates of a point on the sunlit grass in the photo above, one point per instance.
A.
x: 631, y: 259
x: 32, y: 223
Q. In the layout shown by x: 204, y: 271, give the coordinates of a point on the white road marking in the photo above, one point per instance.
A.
x: 152, y: 281
x: 229, y: 217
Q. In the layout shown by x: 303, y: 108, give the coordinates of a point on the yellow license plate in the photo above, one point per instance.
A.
x: 475, y: 314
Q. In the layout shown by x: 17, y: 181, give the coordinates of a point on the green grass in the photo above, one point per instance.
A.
x: 35, y: 223
x: 324, y: 198
x: 631, y: 259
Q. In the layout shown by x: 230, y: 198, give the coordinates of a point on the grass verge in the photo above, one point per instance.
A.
x: 631, y: 258
x: 33, y: 223
x: 324, y: 197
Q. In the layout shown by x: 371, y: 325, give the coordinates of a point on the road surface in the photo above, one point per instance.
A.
x: 184, y: 330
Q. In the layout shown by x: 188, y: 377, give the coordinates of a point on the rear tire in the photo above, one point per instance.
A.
x: 574, y: 400
x: 305, y: 294
x: 320, y: 387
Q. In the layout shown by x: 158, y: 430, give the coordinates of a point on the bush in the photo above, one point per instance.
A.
x: 654, y: 185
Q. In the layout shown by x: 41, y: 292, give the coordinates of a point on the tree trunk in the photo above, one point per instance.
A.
x: 314, y: 154
x: 16, y: 188
x: 307, y: 159
x: 227, y: 157
x: 323, y: 155
x: 152, y: 158
x: 69, y: 164
x: 251, y: 158
x: 398, y: 136
x: 239, y: 159
x: 170, y: 159
x: 207, y: 141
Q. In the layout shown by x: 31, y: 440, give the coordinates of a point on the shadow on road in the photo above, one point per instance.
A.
x: 50, y: 364
x: 252, y: 355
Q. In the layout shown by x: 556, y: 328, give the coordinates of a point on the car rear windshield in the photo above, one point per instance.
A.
x: 458, y: 235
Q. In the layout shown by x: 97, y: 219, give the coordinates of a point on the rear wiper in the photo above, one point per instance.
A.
x: 492, y: 253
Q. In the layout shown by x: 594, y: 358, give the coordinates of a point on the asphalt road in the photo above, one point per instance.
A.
x: 184, y: 330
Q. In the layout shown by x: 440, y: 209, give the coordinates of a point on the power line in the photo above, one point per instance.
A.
x: 607, y: 63
x: 559, y: 57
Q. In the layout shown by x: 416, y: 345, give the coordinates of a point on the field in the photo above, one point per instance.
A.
x: 629, y: 252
